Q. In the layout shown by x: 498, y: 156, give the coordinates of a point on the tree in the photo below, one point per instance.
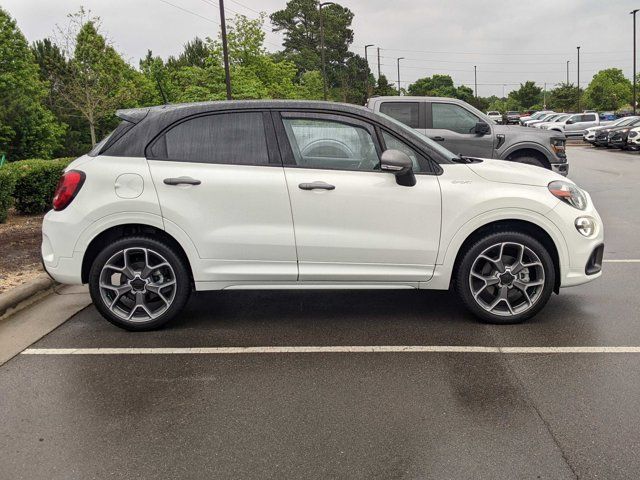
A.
x: 527, y: 95
x: 27, y: 127
x: 435, y: 86
x: 608, y: 90
x: 98, y: 80
x: 384, y: 88
x: 564, y: 97
x: 195, y: 54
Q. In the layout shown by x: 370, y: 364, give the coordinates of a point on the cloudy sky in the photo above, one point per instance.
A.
x: 509, y: 41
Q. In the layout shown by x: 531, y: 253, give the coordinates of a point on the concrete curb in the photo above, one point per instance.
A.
x: 19, y: 297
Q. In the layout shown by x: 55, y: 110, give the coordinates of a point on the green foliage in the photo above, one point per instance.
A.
x: 27, y: 127
x: 527, y: 95
x: 563, y: 97
x: 384, y: 88
x: 608, y: 90
x: 35, y: 183
x: 7, y: 184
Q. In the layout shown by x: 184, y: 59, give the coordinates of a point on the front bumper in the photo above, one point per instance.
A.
x: 561, y: 168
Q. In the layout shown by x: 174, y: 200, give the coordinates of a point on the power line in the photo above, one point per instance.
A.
x: 490, y: 54
x: 468, y: 62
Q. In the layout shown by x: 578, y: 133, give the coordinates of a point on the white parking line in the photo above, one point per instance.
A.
x: 628, y: 260
x: 324, y: 349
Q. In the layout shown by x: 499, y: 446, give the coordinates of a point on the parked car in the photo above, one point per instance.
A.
x: 633, y: 139
x: 534, y: 116
x: 576, y: 124
x: 603, y: 137
x: 463, y: 129
x: 495, y: 116
x: 590, y: 133
x: 545, y: 118
x: 292, y: 194
x: 511, y: 118
x: 561, y: 117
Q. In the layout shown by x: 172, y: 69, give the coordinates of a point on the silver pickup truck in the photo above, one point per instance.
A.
x: 465, y: 130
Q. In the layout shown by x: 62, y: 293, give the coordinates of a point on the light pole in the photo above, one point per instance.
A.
x: 398, y: 61
x: 567, y: 72
x: 503, y: 85
x: 225, y: 50
x: 378, y: 63
x: 578, y: 78
x: 475, y: 80
x: 544, y: 97
x: 633, y: 12
x: 366, y: 59
x: 324, y: 69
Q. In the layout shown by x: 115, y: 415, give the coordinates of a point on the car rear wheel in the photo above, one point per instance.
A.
x: 505, y: 277
x: 139, y: 283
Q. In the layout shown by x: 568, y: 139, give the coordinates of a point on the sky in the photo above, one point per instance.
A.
x: 509, y: 41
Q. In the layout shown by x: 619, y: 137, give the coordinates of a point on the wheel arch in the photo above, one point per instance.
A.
x: 528, y: 151
x: 518, y: 225
x: 117, y: 232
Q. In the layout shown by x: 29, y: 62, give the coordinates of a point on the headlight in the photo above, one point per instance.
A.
x: 568, y: 193
x: 558, y: 146
x: 586, y: 226
x: 633, y: 134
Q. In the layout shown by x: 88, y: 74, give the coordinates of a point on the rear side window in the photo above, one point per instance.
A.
x: 227, y: 138
x: 405, y: 112
x: 103, y: 145
x: 589, y: 117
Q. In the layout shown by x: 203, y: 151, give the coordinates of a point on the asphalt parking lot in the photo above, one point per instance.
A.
x: 270, y: 413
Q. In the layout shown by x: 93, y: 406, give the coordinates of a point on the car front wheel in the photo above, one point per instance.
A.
x: 139, y: 283
x: 505, y: 277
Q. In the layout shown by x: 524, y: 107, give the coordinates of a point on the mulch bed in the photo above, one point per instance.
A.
x: 20, y: 239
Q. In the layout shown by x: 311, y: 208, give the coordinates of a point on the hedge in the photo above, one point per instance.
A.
x: 7, y: 183
x: 31, y: 184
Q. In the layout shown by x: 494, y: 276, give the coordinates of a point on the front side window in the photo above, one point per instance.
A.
x: 226, y: 138
x: 405, y: 112
x: 330, y: 144
x: 447, y: 116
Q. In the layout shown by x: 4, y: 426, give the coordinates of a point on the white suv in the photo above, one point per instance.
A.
x: 284, y: 194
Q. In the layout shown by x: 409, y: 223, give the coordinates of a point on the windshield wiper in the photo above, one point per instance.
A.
x: 464, y: 159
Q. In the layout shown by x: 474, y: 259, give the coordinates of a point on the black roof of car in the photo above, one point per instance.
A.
x: 150, y: 121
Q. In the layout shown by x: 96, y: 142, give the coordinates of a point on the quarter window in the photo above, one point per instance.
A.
x: 228, y: 138
x: 405, y: 112
x: 331, y: 144
x: 447, y: 116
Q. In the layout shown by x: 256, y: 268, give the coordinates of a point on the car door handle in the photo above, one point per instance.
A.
x: 316, y: 186
x: 182, y: 181
x: 438, y: 139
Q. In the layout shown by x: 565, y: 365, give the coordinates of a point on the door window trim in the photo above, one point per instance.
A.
x: 273, y: 153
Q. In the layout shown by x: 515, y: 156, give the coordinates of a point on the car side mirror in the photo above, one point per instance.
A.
x: 569, y: 122
x: 482, y: 128
x: 398, y: 163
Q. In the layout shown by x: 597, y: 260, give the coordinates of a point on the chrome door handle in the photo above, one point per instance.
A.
x: 438, y: 139
x: 316, y: 186
x: 182, y: 181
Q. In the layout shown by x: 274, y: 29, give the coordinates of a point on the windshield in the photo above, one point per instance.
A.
x: 562, y: 118
x: 493, y: 113
x: 420, y: 137
x: 624, y: 121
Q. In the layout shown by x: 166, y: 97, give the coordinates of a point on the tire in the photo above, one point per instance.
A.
x: 528, y: 160
x: 479, y: 295
x: 139, y: 283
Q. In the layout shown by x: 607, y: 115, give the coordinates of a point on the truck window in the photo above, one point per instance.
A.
x: 405, y: 112
x: 447, y: 116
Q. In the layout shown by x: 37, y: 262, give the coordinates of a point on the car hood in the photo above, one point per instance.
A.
x: 504, y: 171
x: 537, y: 134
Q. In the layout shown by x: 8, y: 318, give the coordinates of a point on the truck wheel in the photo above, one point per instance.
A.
x: 528, y: 160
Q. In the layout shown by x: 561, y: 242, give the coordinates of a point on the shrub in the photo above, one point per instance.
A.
x: 35, y: 183
x: 7, y: 184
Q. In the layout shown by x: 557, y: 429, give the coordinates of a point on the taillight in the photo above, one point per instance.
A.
x: 67, y: 189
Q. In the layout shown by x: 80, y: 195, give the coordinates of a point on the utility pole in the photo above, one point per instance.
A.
x: 503, y: 85
x: 567, y: 72
x: 398, y: 60
x: 634, y: 59
x: 544, y: 97
x: 366, y: 59
x: 578, y: 78
x: 225, y: 50
x: 324, y: 68
x: 475, y: 79
x: 378, y: 63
